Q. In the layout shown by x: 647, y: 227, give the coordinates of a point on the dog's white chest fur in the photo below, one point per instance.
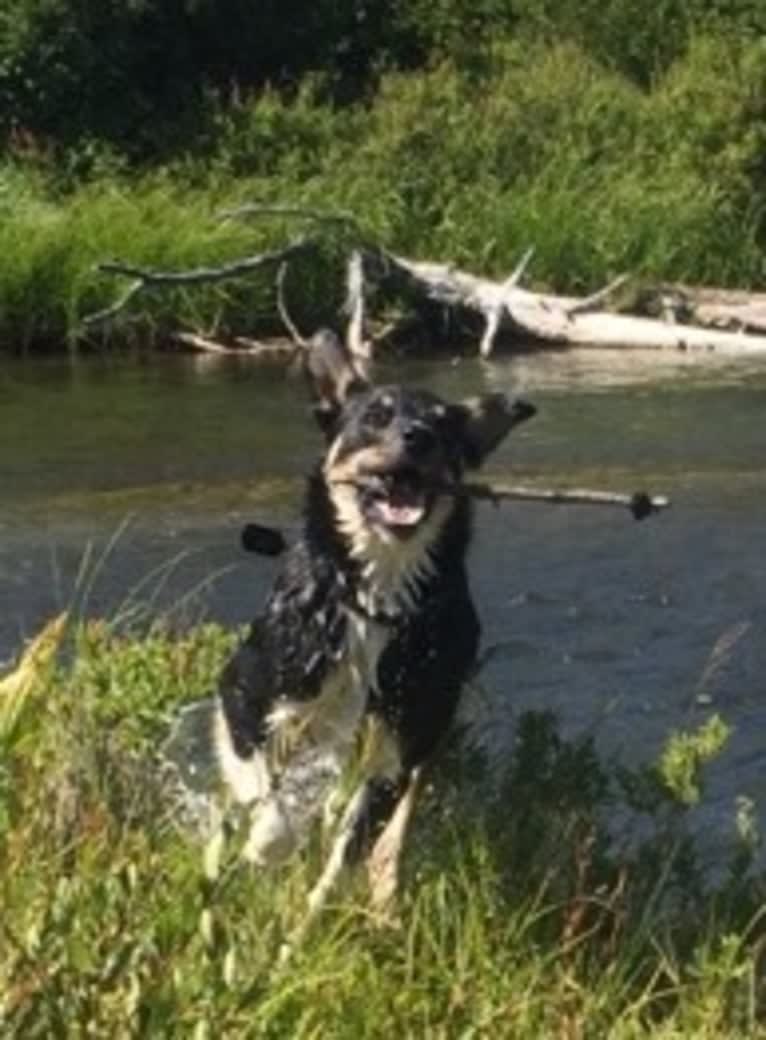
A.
x: 287, y: 782
x: 391, y: 568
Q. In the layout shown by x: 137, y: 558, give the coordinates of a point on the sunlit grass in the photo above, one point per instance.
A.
x: 521, y: 915
x: 548, y: 149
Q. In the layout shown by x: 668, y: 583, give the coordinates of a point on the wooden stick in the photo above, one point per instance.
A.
x: 640, y: 503
x: 268, y: 541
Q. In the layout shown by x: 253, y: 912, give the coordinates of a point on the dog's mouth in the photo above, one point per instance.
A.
x: 398, y: 500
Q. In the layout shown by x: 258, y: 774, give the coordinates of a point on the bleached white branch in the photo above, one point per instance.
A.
x: 299, y: 340
x: 518, y: 272
x: 590, y: 303
x: 358, y: 345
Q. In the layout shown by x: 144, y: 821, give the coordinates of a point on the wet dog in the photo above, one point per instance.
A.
x: 369, y: 629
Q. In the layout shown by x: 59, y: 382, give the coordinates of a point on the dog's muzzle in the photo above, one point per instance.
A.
x: 398, y: 500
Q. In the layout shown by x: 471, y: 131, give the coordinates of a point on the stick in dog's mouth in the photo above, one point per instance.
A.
x: 639, y: 503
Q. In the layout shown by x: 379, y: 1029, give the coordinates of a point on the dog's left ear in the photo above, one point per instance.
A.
x: 486, y: 420
x: 333, y: 375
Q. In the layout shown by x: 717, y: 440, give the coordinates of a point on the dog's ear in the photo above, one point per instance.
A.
x: 485, y: 421
x: 333, y: 375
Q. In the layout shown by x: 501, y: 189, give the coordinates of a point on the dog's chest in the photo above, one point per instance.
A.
x: 332, y: 718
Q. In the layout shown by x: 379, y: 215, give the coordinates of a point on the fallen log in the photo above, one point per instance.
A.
x: 602, y: 329
x: 554, y: 319
x: 687, y: 319
x: 732, y: 309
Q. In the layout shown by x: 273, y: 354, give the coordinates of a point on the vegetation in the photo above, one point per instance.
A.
x: 523, y: 915
x: 565, y: 896
x: 608, y: 137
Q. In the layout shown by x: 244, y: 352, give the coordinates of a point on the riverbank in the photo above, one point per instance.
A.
x: 522, y: 914
x: 546, y: 147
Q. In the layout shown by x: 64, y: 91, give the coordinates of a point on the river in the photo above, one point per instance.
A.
x: 125, y: 484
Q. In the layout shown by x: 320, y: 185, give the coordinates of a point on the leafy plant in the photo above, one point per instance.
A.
x: 522, y: 914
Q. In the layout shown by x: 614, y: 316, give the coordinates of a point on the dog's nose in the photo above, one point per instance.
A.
x: 419, y: 439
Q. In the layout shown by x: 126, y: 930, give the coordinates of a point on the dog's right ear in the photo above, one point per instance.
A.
x: 333, y: 376
x: 486, y: 420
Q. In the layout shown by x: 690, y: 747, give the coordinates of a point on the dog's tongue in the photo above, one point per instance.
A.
x: 400, y: 516
x: 403, y: 507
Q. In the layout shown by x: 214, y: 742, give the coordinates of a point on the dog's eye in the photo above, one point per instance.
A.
x: 439, y: 415
x: 379, y: 414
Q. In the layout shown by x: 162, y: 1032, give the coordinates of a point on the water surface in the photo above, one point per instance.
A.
x: 138, y: 476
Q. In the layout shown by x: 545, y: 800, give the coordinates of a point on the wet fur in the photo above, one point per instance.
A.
x: 361, y: 624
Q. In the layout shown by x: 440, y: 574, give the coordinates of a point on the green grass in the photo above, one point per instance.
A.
x: 543, y: 147
x: 521, y: 915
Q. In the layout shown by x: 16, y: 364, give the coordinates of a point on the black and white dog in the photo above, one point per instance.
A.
x: 369, y: 631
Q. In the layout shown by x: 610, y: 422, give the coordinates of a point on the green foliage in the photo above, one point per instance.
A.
x: 539, y: 141
x: 147, y: 74
x: 53, y: 243
x: 641, y: 40
x: 685, y: 756
x: 129, y: 685
x: 143, y: 73
x: 522, y: 916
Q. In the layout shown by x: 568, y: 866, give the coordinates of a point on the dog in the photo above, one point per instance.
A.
x: 369, y: 628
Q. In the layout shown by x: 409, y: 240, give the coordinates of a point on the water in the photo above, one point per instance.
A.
x: 138, y: 477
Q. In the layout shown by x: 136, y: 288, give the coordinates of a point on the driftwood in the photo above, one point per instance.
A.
x: 554, y: 319
x: 680, y: 318
x: 146, y: 278
x: 282, y: 351
x: 733, y: 309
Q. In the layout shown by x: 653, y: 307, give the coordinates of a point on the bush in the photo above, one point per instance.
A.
x: 544, y: 147
x: 522, y: 914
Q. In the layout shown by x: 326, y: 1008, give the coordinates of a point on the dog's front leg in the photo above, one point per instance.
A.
x: 384, y: 862
x: 371, y: 803
x: 353, y: 820
x: 356, y: 812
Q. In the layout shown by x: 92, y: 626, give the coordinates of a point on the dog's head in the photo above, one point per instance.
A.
x: 396, y: 456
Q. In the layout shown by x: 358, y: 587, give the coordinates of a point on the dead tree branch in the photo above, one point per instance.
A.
x: 300, y: 341
x: 146, y: 278
x: 518, y: 272
x: 358, y: 344
x: 589, y: 303
x: 109, y: 312
x: 272, y: 351
x: 200, y: 275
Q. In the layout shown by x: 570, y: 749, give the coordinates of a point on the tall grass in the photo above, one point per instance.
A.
x: 522, y: 914
x: 544, y: 147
